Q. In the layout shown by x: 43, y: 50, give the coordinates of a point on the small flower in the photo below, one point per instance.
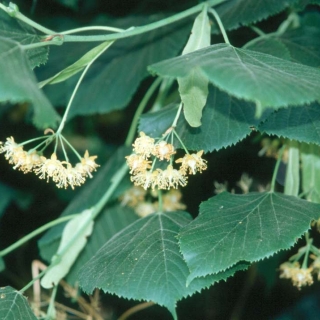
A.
x: 144, y: 145
x: 87, y: 165
x: 163, y: 150
x: 145, y: 208
x: 28, y: 161
x: 288, y: 268
x: 50, y: 168
x: 171, y: 201
x: 73, y: 177
x: 11, y: 150
x: 302, y: 277
x: 193, y: 162
x: 137, y: 163
x: 171, y: 178
x: 133, y: 196
x: 146, y: 179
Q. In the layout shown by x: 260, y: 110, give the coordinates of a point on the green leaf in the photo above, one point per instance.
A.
x: 112, y: 220
x: 266, y: 80
x: 115, y: 76
x: 226, y: 121
x: 301, y: 4
x: 21, y: 32
x: 235, y: 13
x: 143, y: 262
x: 89, y: 195
x: 310, y: 171
x: 14, y: 306
x: 292, y: 182
x: 193, y: 88
x: 301, y: 45
x: 296, y: 123
x: 272, y: 46
x: 20, y: 85
x: 78, y: 66
x: 67, y: 254
x: 250, y: 227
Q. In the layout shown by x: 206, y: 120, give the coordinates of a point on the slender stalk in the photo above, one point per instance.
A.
x: 175, y: 121
x: 182, y: 144
x: 140, y: 109
x: 42, y: 44
x: 26, y: 287
x: 51, y: 310
x: 64, y: 118
x: 71, y: 147
x: 306, y: 256
x: 221, y: 27
x: 92, y: 28
x: 35, y: 233
x: 160, y: 202
x: 143, y: 29
x: 276, y: 168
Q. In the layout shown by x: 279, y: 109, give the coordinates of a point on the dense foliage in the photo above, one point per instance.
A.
x: 163, y: 93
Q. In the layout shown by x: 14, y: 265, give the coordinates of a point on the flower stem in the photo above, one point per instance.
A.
x: 175, y: 121
x: 26, y: 287
x: 221, y: 27
x: 276, y: 168
x: 35, y: 233
x: 182, y: 144
x: 64, y: 119
x: 141, y: 107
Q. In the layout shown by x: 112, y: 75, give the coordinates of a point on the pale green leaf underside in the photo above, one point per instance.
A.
x: 108, y: 223
x: 251, y: 227
x: 67, y: 254
x: 78, y: 66
x: 14, y: 306
x: 298, y: 123
x: 310, y: 171
x: 20, y: 85
x: 193, y: 88
x: 261, y: 78
x: 292, y: 180
x: 143, y: 262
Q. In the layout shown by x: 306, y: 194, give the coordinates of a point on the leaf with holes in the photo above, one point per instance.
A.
x: 226, y: 120
x: 261, y: 78
x: 250, y: 227
x: 14, y: 306
x: 20, y: 84
x: 143, y: 262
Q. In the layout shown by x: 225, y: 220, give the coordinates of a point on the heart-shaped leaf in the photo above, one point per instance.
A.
x: 250, y: 227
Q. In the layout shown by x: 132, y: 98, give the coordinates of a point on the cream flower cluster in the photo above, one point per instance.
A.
x: 61, y: 172
x: 136, y: 198
x: 299, y: 276
x: 141, y: 167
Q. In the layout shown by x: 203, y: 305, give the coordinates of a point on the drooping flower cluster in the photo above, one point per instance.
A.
x: 143, y: 170
x: 299, y: 276
x: 143, y: 204
x: 61, y: 172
